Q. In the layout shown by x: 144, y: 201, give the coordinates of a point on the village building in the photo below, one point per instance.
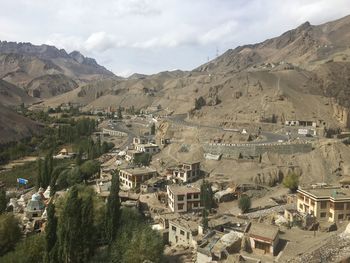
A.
x: 183, y: 231
x: 132, y: 178
x: 326, y: 203
x: 183, y: 198
x: 153, y: 185
x: 216, y: 246
x: 227, y: 223
x: 139, y: 140
x: 35, y: 206
x: 148, y: 148
x: 302, y: 123
x: 263, y: 238
x: 130, y: 155
x: 187, y: 172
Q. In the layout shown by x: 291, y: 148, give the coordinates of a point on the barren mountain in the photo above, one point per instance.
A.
x: 301, y: 74
x: 45, y: 71
x: 11, y: 95
x: 14, y: 127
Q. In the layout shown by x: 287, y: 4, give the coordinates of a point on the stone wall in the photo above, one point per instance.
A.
x: 254, y: 150
x: 115, y: 133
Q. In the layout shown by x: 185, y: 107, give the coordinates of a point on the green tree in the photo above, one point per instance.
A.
x: 207, y: 200
x: 153, y: 129
x: 205, y: 220
x: 3, y: 200
x: 149, y: 246
x: 89, y: 168
x: 143, y: 159
x: 51, y: 234
x: 119, y: 113
x: 87, y: 228
x: 79, y: 157
x: 10, y: 232
x: 244, y: 203
x: 39, y: 176
x: 113, y: 209
x: 45, y: 173
x: 291, y: 181
x: 69, y: 230
x: 31, y: 249
x: 136, y: 241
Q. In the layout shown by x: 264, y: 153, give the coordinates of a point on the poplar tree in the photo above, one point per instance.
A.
x: 207, y: 195
x: 87, y: 228
x: 51, y: 234
x: 3, y: 201
x: 39, y: 178
x: 69, y: 231
x: 113, y: 209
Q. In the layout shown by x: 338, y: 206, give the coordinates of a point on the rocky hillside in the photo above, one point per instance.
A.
x: 11, y: 95
x: 45, y: 71
x: 14, y: 127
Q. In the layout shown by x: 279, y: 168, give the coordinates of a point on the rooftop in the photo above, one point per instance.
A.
x: 186, y: 223
x: 183, y: 189
x: 138, y: 170
x: 333, y: 192
x: 264, y: 231
x: 148, y: 145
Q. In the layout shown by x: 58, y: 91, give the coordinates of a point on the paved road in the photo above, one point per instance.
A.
x: 120, y: 126
x: 270, y: 136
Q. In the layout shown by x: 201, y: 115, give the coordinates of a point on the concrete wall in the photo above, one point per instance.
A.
x: 254, y: 150
x: 115, y: 133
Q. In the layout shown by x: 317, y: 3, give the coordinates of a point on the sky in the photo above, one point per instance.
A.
x: 150, y: 36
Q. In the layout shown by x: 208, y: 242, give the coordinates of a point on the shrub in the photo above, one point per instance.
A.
x: 291, y: 181
x: 244, y: 203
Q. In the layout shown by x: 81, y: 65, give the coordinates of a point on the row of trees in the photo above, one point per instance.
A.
x: 77, y: 225
x: 75, y: 130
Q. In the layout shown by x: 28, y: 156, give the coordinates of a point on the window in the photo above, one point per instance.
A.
x: 323, y: 214
x: 339, y: 206
x: 341, y: 216
x: 301, y: 206
x: 182, y: 232
x: 323, y: 204
x: 188, y: 235
x: 173, y: 228
x: 180, y: 206
x: 180, y: 197
x: 330, y: 215
x: 195, y: 196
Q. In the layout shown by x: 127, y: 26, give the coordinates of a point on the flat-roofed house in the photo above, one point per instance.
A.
x: 326, y: 203
x: 150, y: 148
x: 183, y: 232
x: 187, y: 172
x: 183, y: 198
x: 132, y: 178
x: 139, y: 140
x: 264, y: 237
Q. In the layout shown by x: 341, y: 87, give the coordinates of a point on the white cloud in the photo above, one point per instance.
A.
x: 101, y: 41
x: 222, y: 33
x: 152, y: 35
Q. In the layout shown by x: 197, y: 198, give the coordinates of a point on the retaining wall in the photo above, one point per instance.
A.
x: 254, y: 150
